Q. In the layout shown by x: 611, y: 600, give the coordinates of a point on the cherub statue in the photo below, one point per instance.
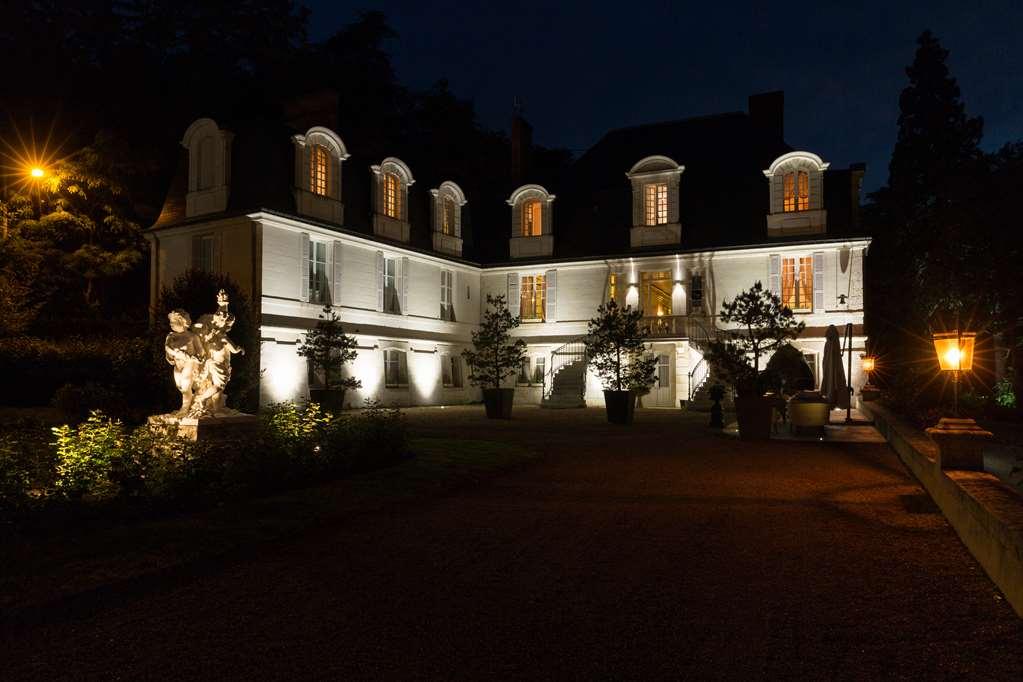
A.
x: 216, y: 372
x: 184, y: 351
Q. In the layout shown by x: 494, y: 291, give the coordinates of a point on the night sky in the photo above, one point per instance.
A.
x: 583, y: 68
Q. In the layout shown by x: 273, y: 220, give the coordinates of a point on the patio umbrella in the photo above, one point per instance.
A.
x: 833, y: 386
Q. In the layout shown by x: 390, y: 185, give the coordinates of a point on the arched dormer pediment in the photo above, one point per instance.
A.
x: 532, y: 226
x: 392, y: 180
x: 209, y: 167
x: 448, y: 200
x: 796, y: 188
x: 797, y: 158
x: 319, y: 154
x: 655, y: 201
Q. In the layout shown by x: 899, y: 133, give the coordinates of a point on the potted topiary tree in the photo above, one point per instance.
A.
x: 328, y: 350
x: 761, y: 325
x: 494, y: 357
x: 615, y: 346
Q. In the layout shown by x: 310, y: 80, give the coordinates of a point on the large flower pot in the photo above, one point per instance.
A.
x: 498, y: 402
x: 754, y: 416
x: 329, y: 399
x: 620, y: 405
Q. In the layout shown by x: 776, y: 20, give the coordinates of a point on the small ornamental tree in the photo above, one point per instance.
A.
x: 329, y: 349
x: 494, y: 356
x: 615, y: 344
x: 763, y: 325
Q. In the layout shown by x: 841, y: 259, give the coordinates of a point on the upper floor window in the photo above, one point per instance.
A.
x: 392, y: 276
x: 656, y: 203
x: 447, y: 224
x: 532, y: 293
x: 448, y: 201
x: 696, y: 291
x: 209, y: 167
x: 319, y: 170
x: 797, y: 283
x: 205, y: 163
x: 319, y: 291
x: 447, y: 295
x: 532, y: 218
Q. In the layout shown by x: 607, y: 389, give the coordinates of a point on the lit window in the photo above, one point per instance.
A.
x: 319, y: 169
x: 656, y: 290
x: 447, y: 217
x: 447, y: 298
x: 797, y: 283
x: 796, y: 189
x: 657, y: 203
x: 392, y: 196
x: 318, y: 291
x: 532, y: 218
x: 532, y: 298
x: 395, y: 368
x: 392, y: 303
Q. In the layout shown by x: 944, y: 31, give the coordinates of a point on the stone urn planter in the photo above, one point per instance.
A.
x: 329, y: 399
x: 620, y: 406
x: 498, y: 402
x: 754, y: 416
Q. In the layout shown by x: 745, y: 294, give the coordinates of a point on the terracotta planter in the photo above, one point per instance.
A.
x: 498, y: 402
x: 620, y: 405
x: 754, y: 416
x: 329, y: 399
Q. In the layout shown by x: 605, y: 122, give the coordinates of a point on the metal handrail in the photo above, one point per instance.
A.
x: 701, y: 338
x: 563, y: 355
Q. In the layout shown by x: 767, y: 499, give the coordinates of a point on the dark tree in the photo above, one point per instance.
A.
x: 494, y: 356
x: 615, y: 343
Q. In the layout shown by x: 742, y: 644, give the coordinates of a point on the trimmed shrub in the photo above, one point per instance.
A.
x: 91, y: 457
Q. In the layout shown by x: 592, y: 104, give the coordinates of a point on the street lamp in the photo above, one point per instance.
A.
x: 37, y: 172
x: 955, y: 354
x: 869, y: 391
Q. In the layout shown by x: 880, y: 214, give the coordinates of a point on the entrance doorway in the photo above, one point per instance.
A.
x: 661, y: 393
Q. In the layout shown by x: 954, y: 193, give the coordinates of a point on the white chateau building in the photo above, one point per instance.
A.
x: 673, y: 218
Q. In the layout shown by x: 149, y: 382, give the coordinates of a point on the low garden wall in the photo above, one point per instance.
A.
x: 986, y: 513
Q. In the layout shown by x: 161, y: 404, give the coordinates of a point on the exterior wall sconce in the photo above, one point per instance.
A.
x: 960, y: 441
x: 869, y: 391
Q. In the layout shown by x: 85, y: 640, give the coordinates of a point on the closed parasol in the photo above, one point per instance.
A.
x: 833, y: 384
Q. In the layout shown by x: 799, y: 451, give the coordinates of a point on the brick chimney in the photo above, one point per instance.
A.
x: 767, y: 113
x: 521, y: 144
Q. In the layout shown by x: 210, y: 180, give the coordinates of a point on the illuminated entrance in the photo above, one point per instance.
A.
x: 655, y: 293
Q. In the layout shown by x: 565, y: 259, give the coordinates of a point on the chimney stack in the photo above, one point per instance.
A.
x: 521, y: 144
x: 767, y: 113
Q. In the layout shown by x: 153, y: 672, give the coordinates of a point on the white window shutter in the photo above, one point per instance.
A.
x: 673, y: 200
x: 402, y: 367
x: 818, y: 281
x: 774, y: 274
x: 304, y: 264
x: 196, y: 252
x: 514, y: 304
x: 335, y: 294
x: 551, y: 296
x: 380, y: 280
x: 404, y: 275
x: 547, y: 218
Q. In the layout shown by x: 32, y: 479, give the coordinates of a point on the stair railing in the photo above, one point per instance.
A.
x: 563, y: 355
x: 700, y: 337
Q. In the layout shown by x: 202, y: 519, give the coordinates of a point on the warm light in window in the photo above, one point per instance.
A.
x: 532, y: 293
x: 532, y: 218
x: 448, y: 216
x: 319, y: 169
x: 797, y: 283
x: 804, y: 191
x: 656, y: 201
x: 392, y: 196
x: 796, y: 191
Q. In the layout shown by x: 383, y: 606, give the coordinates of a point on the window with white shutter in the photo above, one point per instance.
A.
x: 392, y: 286
x: 818, y: 281
x: 447, y: 290
x: 395, y: 368
x: 381, y: 281
x: 551, y: 296
x: 513, y: 294
x: 774, y: 275
x: 404, y: 275
x: 335, y: 293
x: 303, y: 260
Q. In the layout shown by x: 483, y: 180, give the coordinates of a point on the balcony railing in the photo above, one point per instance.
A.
x: 677, y: 326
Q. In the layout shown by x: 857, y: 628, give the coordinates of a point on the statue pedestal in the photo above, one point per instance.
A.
x: 209, y: 429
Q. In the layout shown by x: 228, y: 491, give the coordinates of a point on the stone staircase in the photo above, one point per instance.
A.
x: 568, y: 384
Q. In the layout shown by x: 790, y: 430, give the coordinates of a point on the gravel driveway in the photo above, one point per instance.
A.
x: 656, y: 551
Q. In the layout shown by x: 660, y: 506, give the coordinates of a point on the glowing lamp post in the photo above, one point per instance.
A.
x: 960, y: 441
x: 37, y: 172
x: 868, y: 392
x: 955, y: 354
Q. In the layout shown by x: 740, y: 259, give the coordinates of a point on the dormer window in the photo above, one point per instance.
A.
x: 319, y: 170
x: 392, y: 182
x: 318, y: 157
x: 448, y: 201
x: 532, y: 230
x: 796, y: 183
x: 532, y: 218
x: 209, y: 167
x: 655, y: 203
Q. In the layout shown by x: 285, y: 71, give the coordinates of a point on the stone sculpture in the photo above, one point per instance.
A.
x: 201, y: 356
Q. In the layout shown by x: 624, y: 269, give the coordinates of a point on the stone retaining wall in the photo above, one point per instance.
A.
x: 985, y: 512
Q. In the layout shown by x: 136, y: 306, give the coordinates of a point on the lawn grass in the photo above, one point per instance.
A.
x: 60, y: 562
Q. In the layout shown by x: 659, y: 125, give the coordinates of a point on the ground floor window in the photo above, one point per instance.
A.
x: 811, y: 362
x: 395, y: 368
x: 451, y: 370
x: 539, y: 369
